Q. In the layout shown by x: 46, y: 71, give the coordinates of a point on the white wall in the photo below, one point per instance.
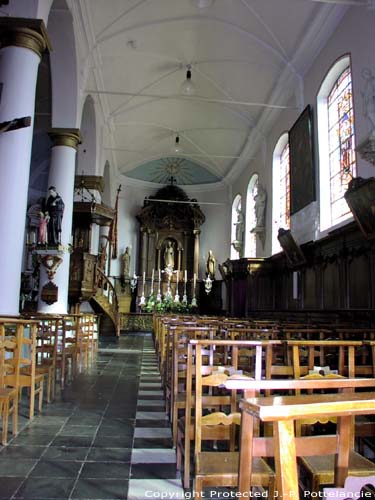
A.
x: 354, y: 35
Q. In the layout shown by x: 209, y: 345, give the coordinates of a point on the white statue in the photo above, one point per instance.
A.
x: 260, y: 206
x: 239, y: 225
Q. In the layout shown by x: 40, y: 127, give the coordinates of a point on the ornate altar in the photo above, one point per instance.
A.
x: 169, y: 233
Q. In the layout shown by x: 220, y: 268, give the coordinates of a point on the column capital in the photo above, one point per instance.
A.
x: 70, y: 137
x: 22, y: 32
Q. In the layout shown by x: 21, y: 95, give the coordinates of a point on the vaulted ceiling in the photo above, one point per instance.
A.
x: 247, y: 60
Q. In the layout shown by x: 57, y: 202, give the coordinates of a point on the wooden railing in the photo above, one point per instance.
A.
x: 106, y: 297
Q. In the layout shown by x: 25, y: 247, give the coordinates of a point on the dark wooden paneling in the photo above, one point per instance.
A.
x: 310, y: 299
x: 359, y: 283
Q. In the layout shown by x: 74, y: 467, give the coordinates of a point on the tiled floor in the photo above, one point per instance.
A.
x: 106, y: 437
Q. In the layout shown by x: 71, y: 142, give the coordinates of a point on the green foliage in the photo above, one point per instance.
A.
x: 166, y: 305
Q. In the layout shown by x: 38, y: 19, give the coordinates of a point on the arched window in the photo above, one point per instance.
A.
x: 250, y: 238
x: 280, y: 190
x: 337, y: 162
x: 236, y: 208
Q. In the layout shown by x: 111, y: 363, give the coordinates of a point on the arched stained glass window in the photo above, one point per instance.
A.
x: 337, y: 160
x: 341, y: 143
x: 281, y: 190
x: 284, y: 203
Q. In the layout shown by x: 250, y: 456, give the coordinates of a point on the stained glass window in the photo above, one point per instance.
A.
x: 341, y: 144
x: 284, y: 203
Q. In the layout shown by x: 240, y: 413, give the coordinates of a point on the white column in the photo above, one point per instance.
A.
x: 20, y: 53
x: 61, y: 176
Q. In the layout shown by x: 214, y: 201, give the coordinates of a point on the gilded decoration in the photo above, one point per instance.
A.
x: 70, y: 137
x: 27, y: 33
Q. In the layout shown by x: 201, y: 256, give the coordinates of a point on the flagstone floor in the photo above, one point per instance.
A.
x: 106, y: 437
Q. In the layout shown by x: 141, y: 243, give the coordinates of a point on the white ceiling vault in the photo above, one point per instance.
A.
x: 247, y: 59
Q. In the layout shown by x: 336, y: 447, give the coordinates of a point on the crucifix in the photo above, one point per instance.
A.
x: 172, y: 180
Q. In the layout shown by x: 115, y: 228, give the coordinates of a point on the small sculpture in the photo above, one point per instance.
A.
x: 260, y: 205
x: 169, y: 256
x: 42, y: 230
x: 239, y: 225
x: 54, y: 208
x: 211, y: 265
x: 126, y: 262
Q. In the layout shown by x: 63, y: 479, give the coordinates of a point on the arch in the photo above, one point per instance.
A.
x: 87, y: 152
x: 63, y: 66
x: 250, y: 238
x: 337, y: 162
x: 280, y: 189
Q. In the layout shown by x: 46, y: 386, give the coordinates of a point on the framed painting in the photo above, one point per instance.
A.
x: 293, y: 252
x: 302, y: 169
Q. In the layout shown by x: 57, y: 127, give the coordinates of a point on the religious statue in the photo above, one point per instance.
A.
x: 169, y: 255
x: 368, y: 97
x: 42, y: 230
x: 239, y: 225
x: 126, y: 263
x: 259, y: 207
x: 54, y: 208
x: 211, y: 264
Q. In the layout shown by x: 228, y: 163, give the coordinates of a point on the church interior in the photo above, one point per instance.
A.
x: 187, y: 282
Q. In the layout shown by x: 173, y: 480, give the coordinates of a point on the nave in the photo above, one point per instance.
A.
x: 105, y: 437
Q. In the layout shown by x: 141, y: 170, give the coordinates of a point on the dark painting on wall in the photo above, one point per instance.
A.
x: 293, y: 252
x: 360, y: 197
x: 302, y: 170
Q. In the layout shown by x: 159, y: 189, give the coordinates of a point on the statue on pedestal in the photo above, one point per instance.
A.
x: 368, y: 98
x: 211, y: 265
x: 126, y: 263
x: 169, y: 255
x: 54, y: 208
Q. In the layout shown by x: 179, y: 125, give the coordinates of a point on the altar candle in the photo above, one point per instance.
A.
x: 185, y: 276
x: 177, y: 275
x: 194, y: 281
x: 152, y: 281
x: 159, y: 276
x: 144, y: 277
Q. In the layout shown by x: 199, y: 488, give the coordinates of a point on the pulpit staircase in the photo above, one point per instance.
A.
x: 105, y: 301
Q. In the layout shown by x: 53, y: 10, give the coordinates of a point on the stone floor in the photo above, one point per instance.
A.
x: 106, y: 437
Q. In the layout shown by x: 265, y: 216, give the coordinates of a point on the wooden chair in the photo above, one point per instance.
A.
x: 66, y: 361
x: 46, y: 353
x: 29, y: 377
x: 10, y: 355
x: 220, y: 468
x: 320, y: 469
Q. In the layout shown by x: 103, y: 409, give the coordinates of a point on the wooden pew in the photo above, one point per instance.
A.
x: 282, y: 411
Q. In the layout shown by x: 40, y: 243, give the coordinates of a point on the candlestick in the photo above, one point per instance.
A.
x: 152, y: 282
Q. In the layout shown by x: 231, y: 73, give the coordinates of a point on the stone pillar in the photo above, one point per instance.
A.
x: 22, y: 42
x: 196, y: 232
x: 61, y: 175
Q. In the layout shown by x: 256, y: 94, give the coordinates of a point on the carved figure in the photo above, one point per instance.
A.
x: 169, y: 255
x: 211, y: 265
x: 239, y: 225
x: 55, y: 208
x: 126, y: 262
x: 260, y: 205
x: 368, y: 97
x: 42, y: 230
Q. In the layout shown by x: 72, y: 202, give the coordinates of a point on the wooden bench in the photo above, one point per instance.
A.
x: 282, y: 411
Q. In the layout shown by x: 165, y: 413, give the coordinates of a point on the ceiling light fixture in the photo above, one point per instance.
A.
x: 188, y: 87
x: 177, y: 148
x: 202, y: 4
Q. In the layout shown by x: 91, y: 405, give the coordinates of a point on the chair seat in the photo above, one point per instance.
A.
x: 6, y: 392
x: 226, y: 463
x: 323, y: 466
